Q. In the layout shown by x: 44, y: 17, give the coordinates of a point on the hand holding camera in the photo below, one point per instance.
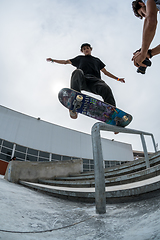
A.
x: 141, y: 69
x: 147, y: 62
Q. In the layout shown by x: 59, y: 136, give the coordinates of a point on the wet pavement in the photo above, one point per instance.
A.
x: 26, y: 214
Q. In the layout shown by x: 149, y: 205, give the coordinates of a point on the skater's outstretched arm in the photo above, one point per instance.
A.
x: 59, y: 61
x: 112, y: 76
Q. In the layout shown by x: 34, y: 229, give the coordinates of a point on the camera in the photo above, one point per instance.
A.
x: 141, y: 69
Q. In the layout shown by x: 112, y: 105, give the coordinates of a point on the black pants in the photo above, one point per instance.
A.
x: 92, y: 84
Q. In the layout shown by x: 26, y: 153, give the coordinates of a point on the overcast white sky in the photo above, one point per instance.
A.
x: 32, y: 30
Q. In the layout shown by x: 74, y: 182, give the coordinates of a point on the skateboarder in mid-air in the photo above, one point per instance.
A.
x: 87, y: 76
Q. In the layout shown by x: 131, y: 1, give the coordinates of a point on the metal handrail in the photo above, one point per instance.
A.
x: 100, y: 198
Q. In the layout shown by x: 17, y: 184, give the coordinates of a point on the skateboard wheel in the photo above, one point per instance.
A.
x: 125, y: 118
x: 79, y: 98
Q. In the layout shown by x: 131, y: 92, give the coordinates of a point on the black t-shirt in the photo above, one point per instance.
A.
x: 88, y: 64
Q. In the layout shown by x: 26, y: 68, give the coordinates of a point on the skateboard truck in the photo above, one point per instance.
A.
x: 77, y: 102
x: 119, y: 121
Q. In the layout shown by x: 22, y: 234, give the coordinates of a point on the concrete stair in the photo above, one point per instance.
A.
x: 125, y: 182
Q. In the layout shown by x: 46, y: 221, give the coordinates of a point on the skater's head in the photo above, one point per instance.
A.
x: 139, y: 8
x: 86, y: 48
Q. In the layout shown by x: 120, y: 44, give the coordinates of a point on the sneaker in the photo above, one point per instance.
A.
x: 73, y: 115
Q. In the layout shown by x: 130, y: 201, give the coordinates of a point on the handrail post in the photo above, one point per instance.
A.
x: 100, y: 198
x: 154, y: 143
x: 145, y: 151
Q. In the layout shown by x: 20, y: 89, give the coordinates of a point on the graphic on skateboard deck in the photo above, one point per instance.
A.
x: 94, y: 108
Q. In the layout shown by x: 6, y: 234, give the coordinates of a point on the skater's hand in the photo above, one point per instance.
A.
x: 49, y: 60
x: 121, y: 80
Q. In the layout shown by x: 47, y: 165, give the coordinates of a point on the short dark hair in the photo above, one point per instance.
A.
x: 136, y: 6
x: 85, y: 44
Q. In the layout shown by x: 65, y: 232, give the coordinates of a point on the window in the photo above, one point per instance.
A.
x: 91, y: 167
x: 44, y: 154
x: 5, y: 157
x: 6, y: 151
x: 20, y: 148
x: 19, y: 155
x: 118, y: 163
x: 107, y: 164
x: 113, y: 163
x: 85, y: 161
x: 7, y: 144
x: 43, y: 159
x: 32, y: 152
x: 56, y: 157
x: 85, y: 168
x: 86, y: 165
x: 66, y: 158
x: 31, y: 158
x: 91, y: 162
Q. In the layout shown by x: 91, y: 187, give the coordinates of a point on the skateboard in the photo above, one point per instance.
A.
x: 94, y: 108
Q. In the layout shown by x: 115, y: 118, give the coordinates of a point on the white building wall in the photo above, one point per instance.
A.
x: 37, y: 134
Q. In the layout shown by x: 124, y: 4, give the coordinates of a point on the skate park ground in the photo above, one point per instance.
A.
x: 30, y: 215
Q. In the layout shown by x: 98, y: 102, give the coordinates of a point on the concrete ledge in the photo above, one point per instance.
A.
x: 32, y: 171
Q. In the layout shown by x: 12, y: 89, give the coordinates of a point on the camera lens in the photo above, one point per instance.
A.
x: 141, y: 69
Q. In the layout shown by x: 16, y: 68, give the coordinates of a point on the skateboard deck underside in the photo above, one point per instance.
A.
x: 94, y: 108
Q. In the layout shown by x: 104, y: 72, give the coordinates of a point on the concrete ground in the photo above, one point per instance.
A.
x: 29, y: 215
